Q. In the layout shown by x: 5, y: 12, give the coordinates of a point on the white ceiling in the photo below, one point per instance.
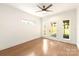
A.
x: 32, y: 8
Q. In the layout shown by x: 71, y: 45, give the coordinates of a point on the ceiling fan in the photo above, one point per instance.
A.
x: 45, y: 8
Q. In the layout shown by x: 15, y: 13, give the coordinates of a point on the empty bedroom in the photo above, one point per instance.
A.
x: 39, y: 29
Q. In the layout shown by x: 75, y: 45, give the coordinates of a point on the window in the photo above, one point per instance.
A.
x: 53, y: 29
x: 66, y: 29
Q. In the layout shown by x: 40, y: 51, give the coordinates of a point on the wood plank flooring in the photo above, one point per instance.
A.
x: 42, y: 47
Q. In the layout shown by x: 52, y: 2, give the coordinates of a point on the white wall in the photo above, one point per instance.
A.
x: 78, y: 27
x: 12, y: 30
x: 58, y: 18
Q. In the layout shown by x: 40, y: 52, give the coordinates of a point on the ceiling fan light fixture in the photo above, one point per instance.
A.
x: 45, y: 8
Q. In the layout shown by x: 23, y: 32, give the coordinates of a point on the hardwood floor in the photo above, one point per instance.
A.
x: 42, y: 47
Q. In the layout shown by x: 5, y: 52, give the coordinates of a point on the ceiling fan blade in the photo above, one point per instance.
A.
x: 49, y: 10
x: 39, y: 7
x: 48, y: 6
